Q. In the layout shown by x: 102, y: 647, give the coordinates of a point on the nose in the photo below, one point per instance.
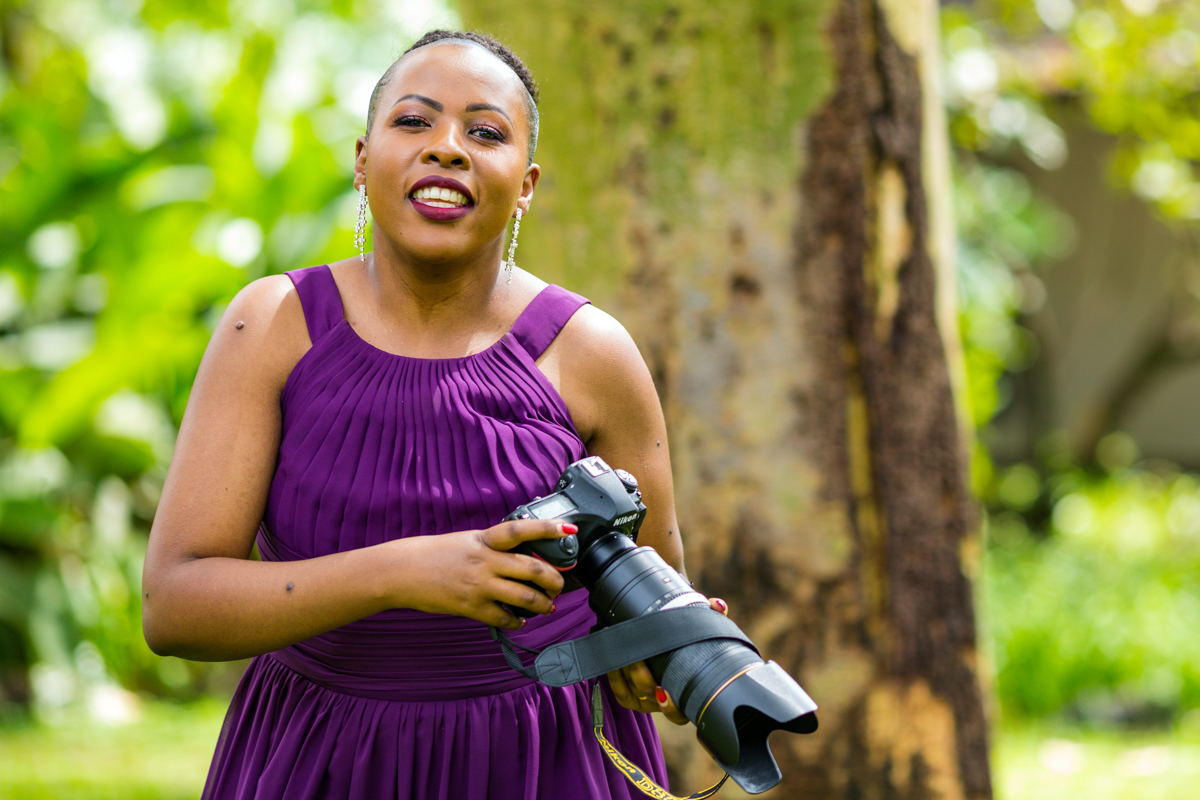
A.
x: 446, y: 147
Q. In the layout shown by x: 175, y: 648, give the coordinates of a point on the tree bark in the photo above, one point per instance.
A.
x: 747, y: 187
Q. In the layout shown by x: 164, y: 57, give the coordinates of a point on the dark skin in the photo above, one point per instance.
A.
x: 431, y: 289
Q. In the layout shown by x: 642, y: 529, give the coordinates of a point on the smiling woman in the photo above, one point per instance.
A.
x: 368, y: 424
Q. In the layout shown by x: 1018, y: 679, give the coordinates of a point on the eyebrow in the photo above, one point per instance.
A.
x: 436, y: 106
x: 488, y: 107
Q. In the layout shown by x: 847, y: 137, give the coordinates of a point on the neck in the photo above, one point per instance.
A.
x: 429, y: 291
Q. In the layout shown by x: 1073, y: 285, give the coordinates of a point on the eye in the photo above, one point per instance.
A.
x: 410, y: 121
x: 488, y: 132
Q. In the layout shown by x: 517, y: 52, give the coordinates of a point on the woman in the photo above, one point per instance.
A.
x: 372, y: 421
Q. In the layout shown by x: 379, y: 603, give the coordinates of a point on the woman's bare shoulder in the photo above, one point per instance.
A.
x: 269, y: 295
x: 601, y: 374
x: 262, y: 331
x: 597, y: 343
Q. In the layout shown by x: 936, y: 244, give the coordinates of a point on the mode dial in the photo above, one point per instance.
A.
x: 628, y: 481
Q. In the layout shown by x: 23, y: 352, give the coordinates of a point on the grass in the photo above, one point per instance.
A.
x: 1049, y: 762
x: 165, y: 756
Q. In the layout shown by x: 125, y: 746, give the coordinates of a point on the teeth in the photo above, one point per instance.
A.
x: 440, y: 197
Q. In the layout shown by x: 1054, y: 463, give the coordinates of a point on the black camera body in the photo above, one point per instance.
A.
x: 722, y: 685
x: 593, y: 497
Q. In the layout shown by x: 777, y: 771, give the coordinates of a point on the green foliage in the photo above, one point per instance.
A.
x: 1006, y: 236
x: 153, y: 159
x: 1097, y: 620
x: 1131, y: 65
x: 1005, y: 233
x: 1092, y: 586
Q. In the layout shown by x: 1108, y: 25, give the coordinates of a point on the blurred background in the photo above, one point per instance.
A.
x: 155, y: 156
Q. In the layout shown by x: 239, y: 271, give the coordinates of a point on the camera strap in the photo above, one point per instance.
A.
x: 630, y: 770
x: 622, y: 644
x: 619, y: 646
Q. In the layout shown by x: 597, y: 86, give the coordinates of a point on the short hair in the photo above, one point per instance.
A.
x: 511, y: 59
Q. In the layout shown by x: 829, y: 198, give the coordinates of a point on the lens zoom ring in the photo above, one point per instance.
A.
x: 683, y: 665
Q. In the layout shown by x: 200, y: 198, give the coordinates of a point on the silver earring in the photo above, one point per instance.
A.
x: 512, y: 247
x: 360, y: 226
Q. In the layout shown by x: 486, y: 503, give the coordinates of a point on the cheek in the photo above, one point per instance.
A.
x: 388, y: 154
x: 514, y: 179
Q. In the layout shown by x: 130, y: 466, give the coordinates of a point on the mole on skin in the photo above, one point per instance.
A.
x: 289, y: 586
x: 240, y: 325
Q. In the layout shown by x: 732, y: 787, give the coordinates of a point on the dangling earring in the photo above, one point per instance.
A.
x: 512, y: 247
x: 360, y: 226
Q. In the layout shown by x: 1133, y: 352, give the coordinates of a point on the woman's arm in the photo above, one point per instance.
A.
x: 611, y: 396
x: 204, y: 599
x: 607, y: 387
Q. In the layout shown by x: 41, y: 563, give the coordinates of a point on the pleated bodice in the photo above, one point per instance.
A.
x: 378, y: 446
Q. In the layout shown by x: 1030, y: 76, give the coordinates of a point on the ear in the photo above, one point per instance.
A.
x: 360, y: 162
x: 532, y: 173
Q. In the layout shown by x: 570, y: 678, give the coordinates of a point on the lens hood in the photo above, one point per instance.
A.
x: 734, y: 726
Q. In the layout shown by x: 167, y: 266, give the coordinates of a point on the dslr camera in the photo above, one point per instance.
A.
x: 723, y: 686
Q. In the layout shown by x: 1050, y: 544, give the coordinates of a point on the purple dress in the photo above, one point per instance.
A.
x: 405, y: 704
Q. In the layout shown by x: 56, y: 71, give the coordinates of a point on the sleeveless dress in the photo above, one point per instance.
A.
x: 408, y: 705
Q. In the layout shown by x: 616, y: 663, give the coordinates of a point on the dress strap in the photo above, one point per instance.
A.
x: 544, y: 317
x: 320, y: 299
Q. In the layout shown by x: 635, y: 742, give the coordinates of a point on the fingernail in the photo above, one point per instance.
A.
x: 660, y: 694
x: 568, y: 527
x: 721, y: 605
x: 523, y: 621
x: 553, y: 608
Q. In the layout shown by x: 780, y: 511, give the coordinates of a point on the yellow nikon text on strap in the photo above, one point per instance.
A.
x: 630, y: 770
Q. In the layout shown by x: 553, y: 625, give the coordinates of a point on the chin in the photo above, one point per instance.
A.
x: 434, y: 255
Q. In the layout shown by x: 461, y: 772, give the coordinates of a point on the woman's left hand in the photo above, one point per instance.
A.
x: 634, y: 686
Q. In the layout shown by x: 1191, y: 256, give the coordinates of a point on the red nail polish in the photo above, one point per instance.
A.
x: 721, y: 605
x: 553, y: 608
x: 568, y: 527
x: 660, y: 694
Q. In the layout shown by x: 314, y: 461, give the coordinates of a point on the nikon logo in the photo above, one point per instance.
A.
x: 624, y: 519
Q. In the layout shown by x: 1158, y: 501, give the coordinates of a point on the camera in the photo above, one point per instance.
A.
x: 723, y: 686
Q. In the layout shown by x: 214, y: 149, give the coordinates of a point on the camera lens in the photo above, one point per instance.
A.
x: 634, y: 581
x: 734, y: 697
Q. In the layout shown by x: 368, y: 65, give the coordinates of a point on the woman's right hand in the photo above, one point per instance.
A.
x: 470, y: 573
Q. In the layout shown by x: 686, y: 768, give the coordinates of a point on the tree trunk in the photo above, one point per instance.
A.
x: 749, y: 188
